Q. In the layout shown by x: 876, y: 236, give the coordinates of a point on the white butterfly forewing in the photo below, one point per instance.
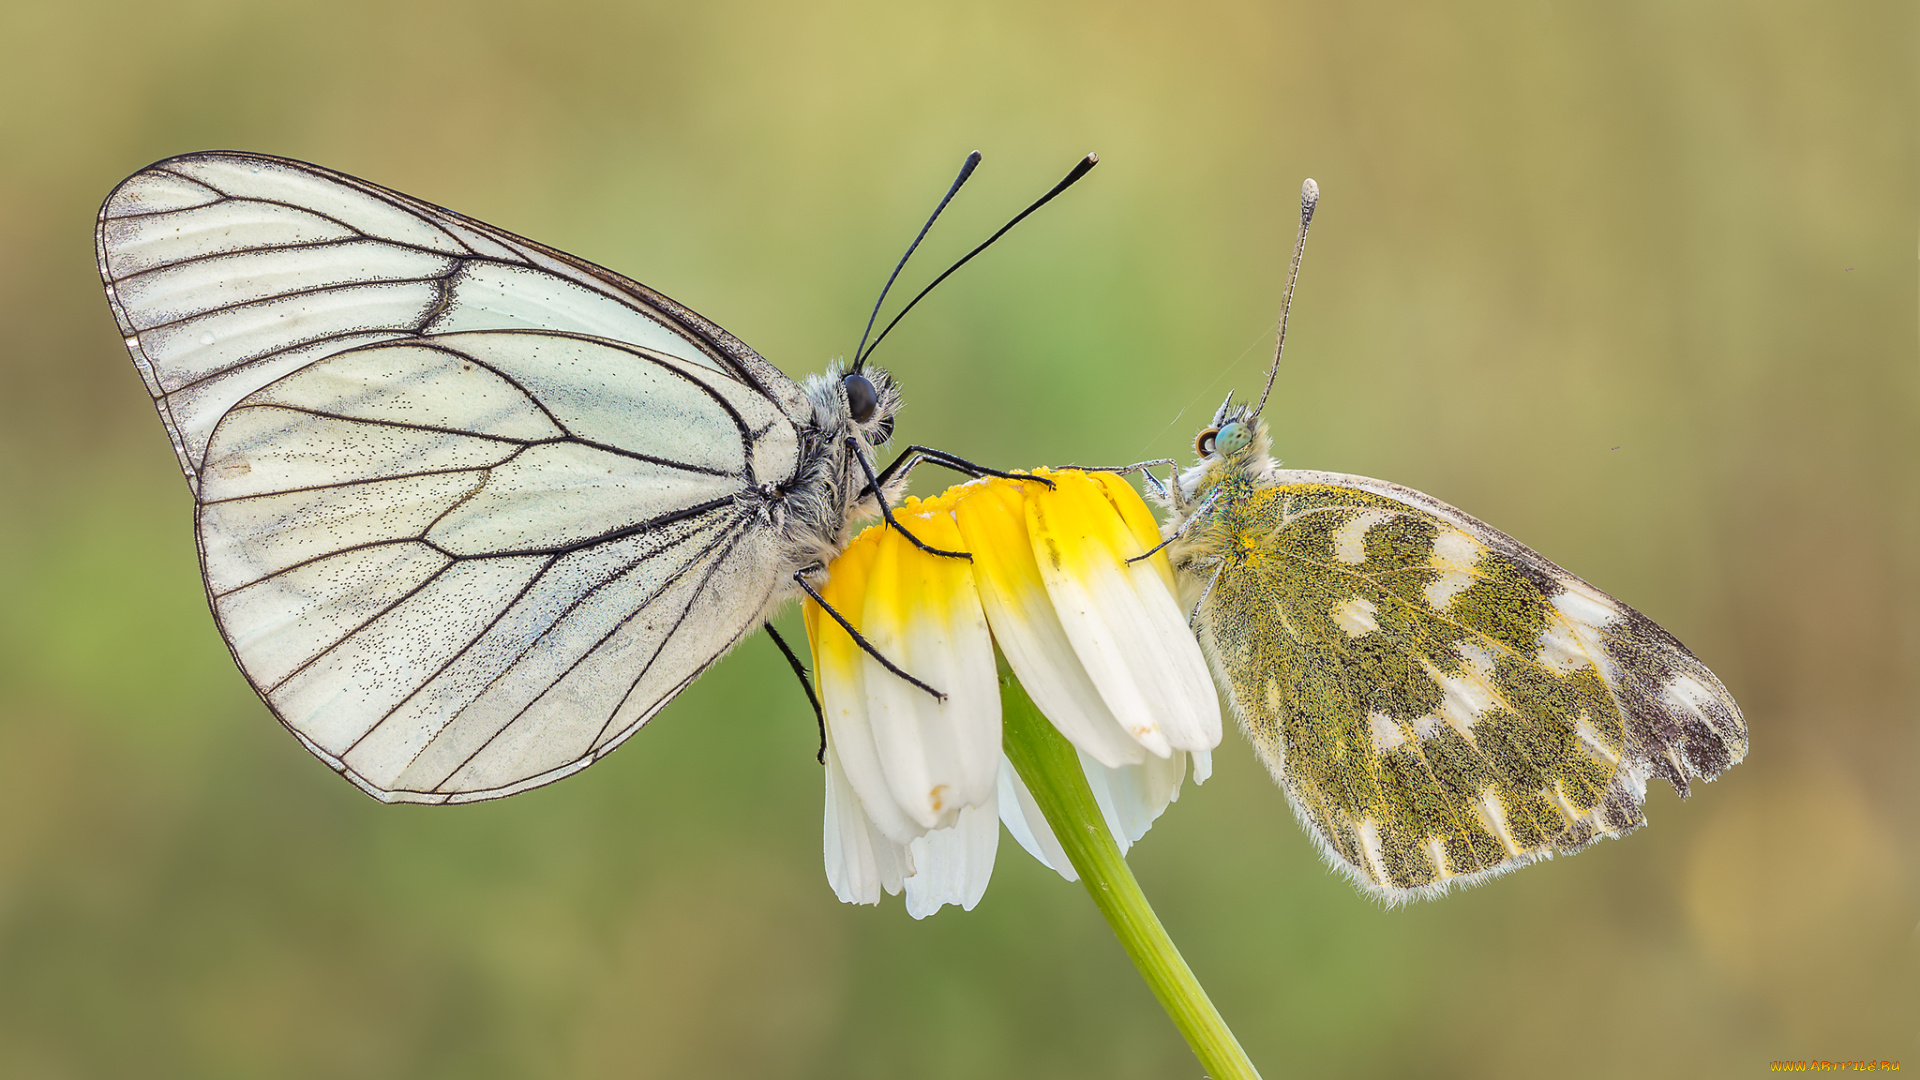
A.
x: 467, y: 505
x: 229, y: 270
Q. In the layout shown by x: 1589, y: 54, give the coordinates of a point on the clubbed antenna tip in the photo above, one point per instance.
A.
x: 1309, y: 199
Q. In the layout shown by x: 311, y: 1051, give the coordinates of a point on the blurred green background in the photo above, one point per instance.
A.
x: 1634, y: 282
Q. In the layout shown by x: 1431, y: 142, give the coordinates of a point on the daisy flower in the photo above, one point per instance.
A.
x: 917, y: 786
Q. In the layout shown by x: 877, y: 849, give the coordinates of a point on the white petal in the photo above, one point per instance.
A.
x: 861, y: 861
x: 850, y: 742
x: 1131, y: 799
x: 1028, y: 825
x: 1123, y: 621
x: 938, y: 756
x: 952, y: 866
x: 1134, y: 642
x: 993, y: 521
x: 1040, y: 653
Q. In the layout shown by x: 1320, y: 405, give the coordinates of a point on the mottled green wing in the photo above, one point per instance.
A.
x: 1440, y: 703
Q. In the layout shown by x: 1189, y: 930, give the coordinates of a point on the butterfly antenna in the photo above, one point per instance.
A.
x: 1086, y: 165
x: 966, y: 170
x: 1309, y: 198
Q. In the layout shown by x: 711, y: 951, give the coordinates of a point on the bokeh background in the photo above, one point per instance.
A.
x: 1635, y: 281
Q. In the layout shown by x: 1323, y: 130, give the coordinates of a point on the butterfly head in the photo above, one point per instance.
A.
x: 1225, y: 441
x: 1236, y: 434
x: 871, y: 401
x: 1232, y: 448
x: 861, y: 403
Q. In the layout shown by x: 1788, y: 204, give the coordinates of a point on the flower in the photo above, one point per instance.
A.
x: 917, y: 787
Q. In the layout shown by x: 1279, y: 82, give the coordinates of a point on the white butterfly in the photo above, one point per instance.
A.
x: 470, y: 510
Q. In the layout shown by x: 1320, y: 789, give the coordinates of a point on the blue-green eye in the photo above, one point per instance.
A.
x: 1233, y: 438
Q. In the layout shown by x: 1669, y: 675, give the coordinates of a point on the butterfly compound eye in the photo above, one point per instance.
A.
x: 1203, y: 443
x: 861, y: 399
x: 1233, y: 438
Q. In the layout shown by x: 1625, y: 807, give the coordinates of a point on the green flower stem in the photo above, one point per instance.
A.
x: 1047, y: 763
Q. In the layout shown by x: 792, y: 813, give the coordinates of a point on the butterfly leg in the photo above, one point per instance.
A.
x: 916, y: 454
x: 806, y: 684
x: 886, y: 512
x: 800, y: 578
x: 1194, y: 616
x: 1138, y: 466
x: 1204, y: 506
x: 1145, y: 469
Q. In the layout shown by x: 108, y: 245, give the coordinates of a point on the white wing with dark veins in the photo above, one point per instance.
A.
x: 227, y: 270
x: 470, y: 510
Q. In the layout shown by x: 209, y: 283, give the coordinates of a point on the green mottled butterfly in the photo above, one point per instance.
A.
x: 1440, y: 703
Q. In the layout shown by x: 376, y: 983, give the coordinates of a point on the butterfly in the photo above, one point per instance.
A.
x: 1439, y: 702
x: 470, y: 510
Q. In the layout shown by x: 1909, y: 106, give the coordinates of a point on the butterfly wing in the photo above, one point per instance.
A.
x: 227, y: 270
x: 470, y: 510
x: 1439, y: 702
